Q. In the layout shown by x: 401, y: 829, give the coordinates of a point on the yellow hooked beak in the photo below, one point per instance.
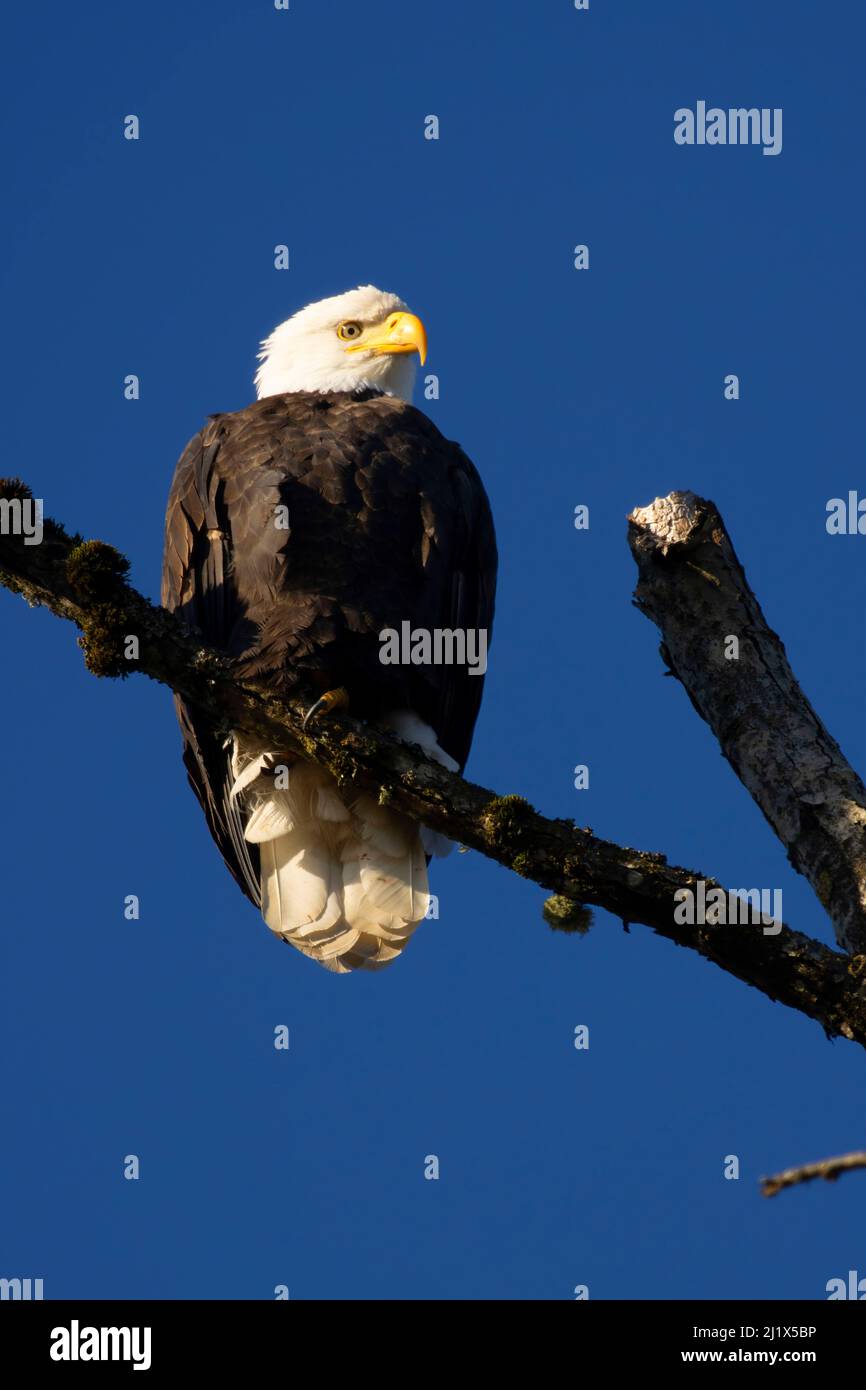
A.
x: 399, y: 333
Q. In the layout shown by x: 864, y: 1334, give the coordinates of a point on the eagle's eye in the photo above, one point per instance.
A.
x: 349, y: 330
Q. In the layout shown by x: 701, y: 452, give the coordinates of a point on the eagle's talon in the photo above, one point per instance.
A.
x: 331, y: 700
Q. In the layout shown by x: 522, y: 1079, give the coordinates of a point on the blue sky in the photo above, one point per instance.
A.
x: 305, y: 1168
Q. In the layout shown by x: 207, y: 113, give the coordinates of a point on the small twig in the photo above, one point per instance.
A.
x: 828, y: 1168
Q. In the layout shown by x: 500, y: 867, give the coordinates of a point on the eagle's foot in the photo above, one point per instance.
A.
x: 327, y: 703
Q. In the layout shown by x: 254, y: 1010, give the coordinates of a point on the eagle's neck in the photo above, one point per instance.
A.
x: 390, y: 376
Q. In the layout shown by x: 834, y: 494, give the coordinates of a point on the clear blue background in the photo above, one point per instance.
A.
x: 155, y: 1037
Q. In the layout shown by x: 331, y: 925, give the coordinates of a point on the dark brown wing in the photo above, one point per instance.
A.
x: 387, y: 521
x: 459, y: 594
x: 197, y: 585
x: 453, y: 563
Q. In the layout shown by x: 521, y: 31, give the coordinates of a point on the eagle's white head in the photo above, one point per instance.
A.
x: 364, y: 338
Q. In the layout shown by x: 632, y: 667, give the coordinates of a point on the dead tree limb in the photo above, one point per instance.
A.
x: 84, y: 582
x: 827, y: 1168
x: 717, y: 642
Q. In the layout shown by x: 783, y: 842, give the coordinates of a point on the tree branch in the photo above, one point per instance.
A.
x: 717, y: 642
x: 84, y: 582
x: 828, y: 1168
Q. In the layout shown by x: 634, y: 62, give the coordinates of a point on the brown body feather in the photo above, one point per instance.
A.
x: 388, y: 521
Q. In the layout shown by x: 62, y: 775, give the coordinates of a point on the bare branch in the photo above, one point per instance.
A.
x: 716, y: 641
x: 84, y: 582
x: 827, y: 1168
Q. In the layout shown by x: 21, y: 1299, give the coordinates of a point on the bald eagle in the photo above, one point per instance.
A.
x: 299, y: 531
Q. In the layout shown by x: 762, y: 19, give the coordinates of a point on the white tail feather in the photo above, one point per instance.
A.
x: 343, y: 881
